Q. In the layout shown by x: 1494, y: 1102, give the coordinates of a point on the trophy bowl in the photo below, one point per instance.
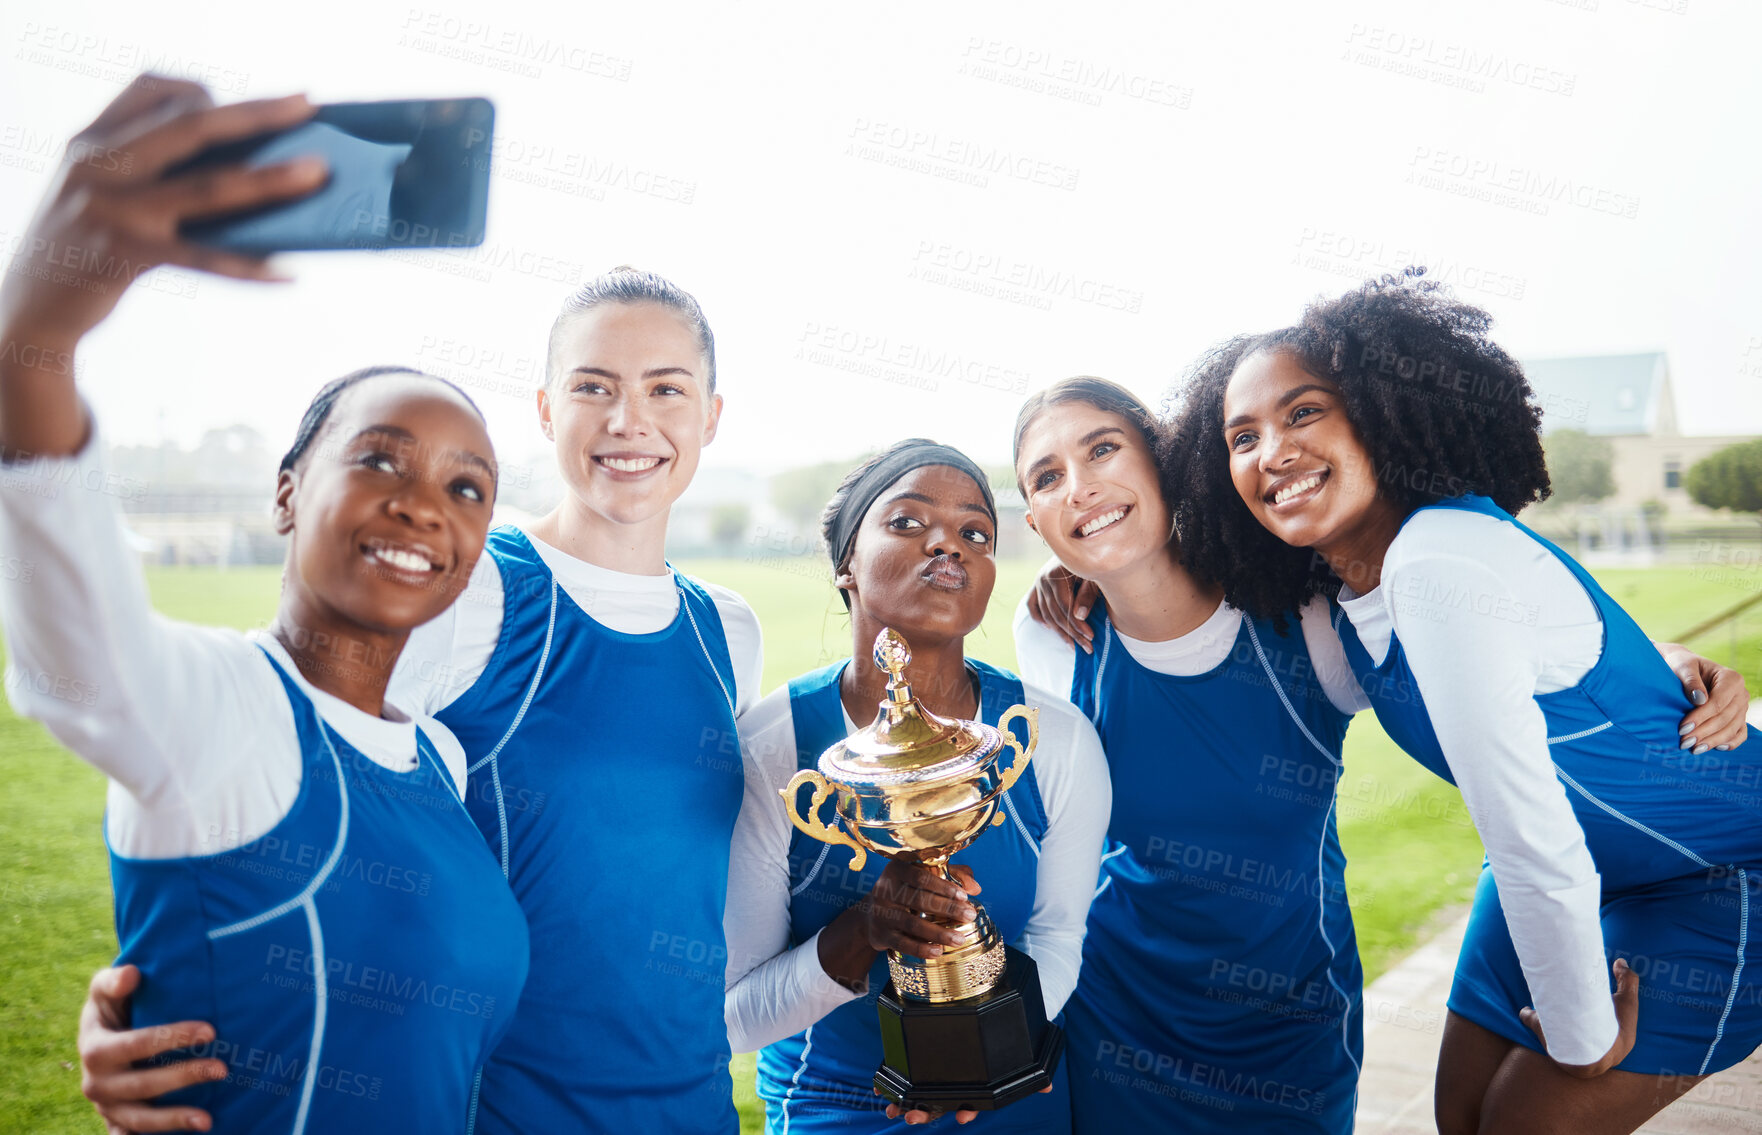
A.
x: 913, y: 786
x: 967, y: 1028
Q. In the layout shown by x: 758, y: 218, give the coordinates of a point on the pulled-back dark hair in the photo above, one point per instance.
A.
x: 1440, y: 408
x: 318, y: 412
x: 625, y: 284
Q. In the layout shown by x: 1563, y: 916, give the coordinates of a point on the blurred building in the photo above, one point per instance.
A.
x: 1629, y: 400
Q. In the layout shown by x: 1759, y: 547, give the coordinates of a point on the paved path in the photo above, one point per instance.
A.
x: 1404, y: 1024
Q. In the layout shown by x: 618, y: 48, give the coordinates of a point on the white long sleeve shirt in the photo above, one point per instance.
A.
x: 1488, y: 619
x: 775, y: 991
x: 190, y: 723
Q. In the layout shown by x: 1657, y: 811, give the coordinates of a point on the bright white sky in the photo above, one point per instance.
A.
x: 1230, y: 161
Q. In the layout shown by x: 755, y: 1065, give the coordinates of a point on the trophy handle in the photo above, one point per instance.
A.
x: 810, y: 824
x: 1032, y: 717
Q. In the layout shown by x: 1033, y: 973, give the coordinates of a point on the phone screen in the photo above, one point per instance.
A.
x: 405, y: 174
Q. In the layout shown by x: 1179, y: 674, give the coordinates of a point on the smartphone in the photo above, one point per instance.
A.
x: 403, y: 174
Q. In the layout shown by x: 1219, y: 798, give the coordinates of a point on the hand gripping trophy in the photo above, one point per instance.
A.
x: 967, y: 1029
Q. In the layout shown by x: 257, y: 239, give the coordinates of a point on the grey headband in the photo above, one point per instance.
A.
x: 915, y: 453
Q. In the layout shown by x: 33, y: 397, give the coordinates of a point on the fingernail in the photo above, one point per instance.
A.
x: 1685, y: 727
x: 1699, y: 697
x: 1723, y: 748
x: 1081, y: 612
x: 1687, y: 743
x: 307, y: 167
x: 1699, y: 749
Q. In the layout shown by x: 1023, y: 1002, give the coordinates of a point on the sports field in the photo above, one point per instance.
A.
x: 1410, y: 846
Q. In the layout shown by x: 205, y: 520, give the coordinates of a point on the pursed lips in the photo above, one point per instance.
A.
x: 945, y: 572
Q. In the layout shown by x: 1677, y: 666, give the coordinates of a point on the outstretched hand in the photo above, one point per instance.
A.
x: 111, y: 214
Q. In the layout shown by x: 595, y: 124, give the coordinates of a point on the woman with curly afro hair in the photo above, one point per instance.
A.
x: 1376, y: 450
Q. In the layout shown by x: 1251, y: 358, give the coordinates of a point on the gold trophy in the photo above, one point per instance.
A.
x: 966, y: 1029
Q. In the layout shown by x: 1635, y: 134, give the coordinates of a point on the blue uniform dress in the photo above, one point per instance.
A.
x: 357, y: 961
x: 1677, y: 840
x: 606, y: 777
x: 822, y: 1079
x: 1221, y: 989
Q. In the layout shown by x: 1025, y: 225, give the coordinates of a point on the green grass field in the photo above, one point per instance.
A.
x: 1412, y: 851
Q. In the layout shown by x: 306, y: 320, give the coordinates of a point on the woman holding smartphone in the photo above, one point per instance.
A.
x: 1499, y: 663
x: 290, y: 850
x: 910, y: 534
x: 580, y: 669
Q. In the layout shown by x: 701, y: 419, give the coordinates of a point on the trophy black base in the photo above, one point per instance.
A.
x: 980, y: 1053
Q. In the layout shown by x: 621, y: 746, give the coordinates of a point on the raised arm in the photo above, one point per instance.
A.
x: 109, y: 216
x: 87, y: 655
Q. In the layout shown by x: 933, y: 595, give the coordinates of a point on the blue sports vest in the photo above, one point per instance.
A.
x: 357, y: 961
x: 822, y: 1078
x: 1650, y: 810
x: 606, y: 776
x: 1221, y: 988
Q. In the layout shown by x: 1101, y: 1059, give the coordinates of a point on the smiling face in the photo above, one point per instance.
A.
x: 630, y: 409
x: 1298, y: 463
x: 923, y: 559
x: 1094, y: 494
x: 389, y: 507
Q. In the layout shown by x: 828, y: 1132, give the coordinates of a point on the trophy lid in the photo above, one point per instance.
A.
x: 908, y: 744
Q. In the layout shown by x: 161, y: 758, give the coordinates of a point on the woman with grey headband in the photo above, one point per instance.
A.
x: 910, y: 534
